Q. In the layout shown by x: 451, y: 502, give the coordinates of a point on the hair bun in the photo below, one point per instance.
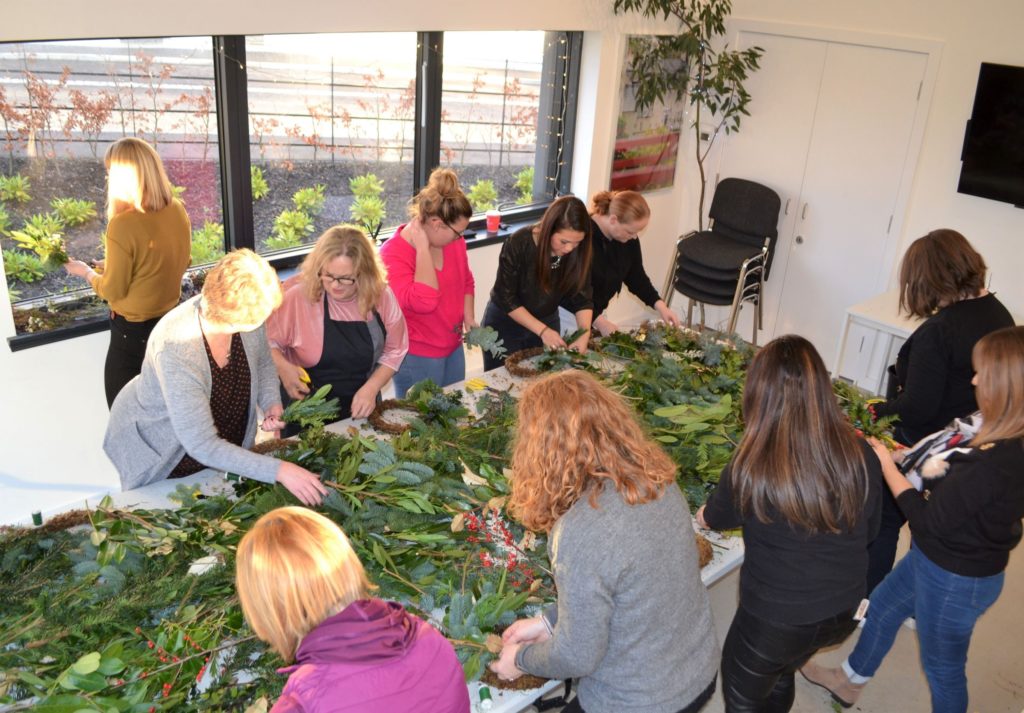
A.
x: 445, y: 182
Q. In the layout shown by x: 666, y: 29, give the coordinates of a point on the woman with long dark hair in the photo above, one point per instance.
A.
x: 962, y: 535
x: 806, y: 490
x: 540, y: 268
x: 632, y: 622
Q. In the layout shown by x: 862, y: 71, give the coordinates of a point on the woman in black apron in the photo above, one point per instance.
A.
x: 339, y: 324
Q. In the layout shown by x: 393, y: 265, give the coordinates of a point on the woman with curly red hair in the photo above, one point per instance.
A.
x: 632, y: 621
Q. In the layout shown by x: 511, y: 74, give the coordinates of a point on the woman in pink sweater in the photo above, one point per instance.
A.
x: 304, y: 591
x: 428, y: 270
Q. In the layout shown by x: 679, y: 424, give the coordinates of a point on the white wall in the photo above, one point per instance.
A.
x: 53, y: 413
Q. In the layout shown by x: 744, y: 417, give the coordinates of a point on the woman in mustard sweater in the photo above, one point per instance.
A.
x: 149, y: 240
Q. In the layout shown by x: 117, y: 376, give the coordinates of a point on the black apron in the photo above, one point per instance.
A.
x: 350, y: 354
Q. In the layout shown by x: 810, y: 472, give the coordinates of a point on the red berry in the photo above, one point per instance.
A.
x: 150, y: 644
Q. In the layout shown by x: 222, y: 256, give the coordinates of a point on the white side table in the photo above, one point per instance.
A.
x: 880, y: 319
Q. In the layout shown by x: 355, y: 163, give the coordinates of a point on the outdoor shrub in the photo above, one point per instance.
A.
x: 260, y: 188
x: 72, y: 211
x: 23, y: 267
x: 207, y: 243
x: 368, y: 212
x: 524, y: 185
x: 14, y: 189
x: 367, y: 185
x: 178, y: 192
x: 290, y: 227
x: 47, y: 244
x: 483, y: 196
x: 5, y: 220
x: 309, y: 200
x: 42, y: 225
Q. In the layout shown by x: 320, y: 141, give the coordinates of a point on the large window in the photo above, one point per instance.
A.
x: 268, y: 140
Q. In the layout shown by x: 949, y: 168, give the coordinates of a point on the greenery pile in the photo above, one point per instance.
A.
x: 105, y: 617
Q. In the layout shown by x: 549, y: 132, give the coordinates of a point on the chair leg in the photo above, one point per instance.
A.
x: 689, y: 313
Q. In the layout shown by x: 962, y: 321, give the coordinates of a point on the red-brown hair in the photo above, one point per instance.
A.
x: 574, y: 437
x: 937, y: 270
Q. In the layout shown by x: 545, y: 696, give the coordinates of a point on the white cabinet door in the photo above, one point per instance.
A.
x: 855, y: 164
x: 771, y: 145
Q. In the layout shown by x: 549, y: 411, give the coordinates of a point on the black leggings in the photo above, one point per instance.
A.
x: 760, y: 657
x: 125, y: 354
x: 515, y: 337
x: 695, y: 705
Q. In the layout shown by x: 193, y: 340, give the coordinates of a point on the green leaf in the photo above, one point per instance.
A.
x: 87, y: 663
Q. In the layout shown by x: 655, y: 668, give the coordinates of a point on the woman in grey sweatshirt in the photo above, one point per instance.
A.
x: 632, y: 622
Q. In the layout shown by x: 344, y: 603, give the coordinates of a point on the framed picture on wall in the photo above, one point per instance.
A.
x: 646, y: 143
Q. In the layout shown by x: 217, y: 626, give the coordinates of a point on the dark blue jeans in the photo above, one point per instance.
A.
x: 441, y: 370
x: 946, y: 606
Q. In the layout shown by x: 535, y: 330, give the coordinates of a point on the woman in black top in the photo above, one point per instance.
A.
x: 540, y: 268
x: 962, y: 537
x: 806, y: 491
x: 618, y: 219
x: 942, y: 279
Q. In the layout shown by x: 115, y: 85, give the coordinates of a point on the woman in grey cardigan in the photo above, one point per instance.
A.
x: 632, y: 622
x: 207, y: 369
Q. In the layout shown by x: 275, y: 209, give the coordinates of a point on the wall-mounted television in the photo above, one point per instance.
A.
x: 993, y: 154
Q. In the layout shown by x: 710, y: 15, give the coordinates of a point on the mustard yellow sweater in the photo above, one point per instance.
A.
x: 147, y: 254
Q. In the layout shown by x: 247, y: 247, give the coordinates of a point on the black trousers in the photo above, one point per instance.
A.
x: 760, y: 657
x: 695, y: 705
x: 125, y: 354
x: 514, y: 336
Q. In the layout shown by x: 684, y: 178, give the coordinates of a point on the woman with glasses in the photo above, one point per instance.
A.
x: 428, y: 270
x: 542, y: 267
x: 149, y: 239
x: 339, y: 324
x: 618, y: 218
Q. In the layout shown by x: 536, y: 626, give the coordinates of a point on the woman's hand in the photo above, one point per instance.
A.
x: 469, y: 322
x: 77, y: 268
x: 272, y: 419
x: 699, y: 517
x: 605, y: 326
x: 551, y: 338
x: 292, y: 379
x: 580, y: 345
x: 526, y: 631
x: 880, y: 449
x: 364, y: 401
x: 301, y: 483
x: 667, y: 314
x: 416, y: 235
x: 505, y: 666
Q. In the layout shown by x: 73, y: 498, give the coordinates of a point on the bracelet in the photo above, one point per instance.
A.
x: 541, y: 332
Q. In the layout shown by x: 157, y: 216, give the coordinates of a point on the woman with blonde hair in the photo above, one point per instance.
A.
x: 339, y: 323
x: 148, y: 247
x: 942, y: 281
x: 303, y: 590
x: 207, y: 370
x: 632, y: 621
x: 618, y: 219
x: 962, y: 534
x: 543, y: 267
x: 806, y: 490
x: 428, y: 270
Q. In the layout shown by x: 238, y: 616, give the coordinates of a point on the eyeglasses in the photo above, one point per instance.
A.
x: 338, y: 280
x: 457, y: 233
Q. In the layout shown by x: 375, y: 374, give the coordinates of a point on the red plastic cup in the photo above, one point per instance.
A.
x: 493, y: 221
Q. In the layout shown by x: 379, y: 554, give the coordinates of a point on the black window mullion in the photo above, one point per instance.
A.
x: 557, y: 112
x: 427, y: 132
x: 233, y: 127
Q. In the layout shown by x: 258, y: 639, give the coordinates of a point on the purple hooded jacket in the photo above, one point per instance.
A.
x: 374, y: 657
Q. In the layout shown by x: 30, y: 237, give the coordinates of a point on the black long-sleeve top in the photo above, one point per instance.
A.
x: 972, y: 517
x: 933, y: 368
x: 614, y: 264
x: 790, y: 575
x: 516, y: 283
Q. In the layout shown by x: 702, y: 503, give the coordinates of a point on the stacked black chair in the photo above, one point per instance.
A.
x: 728, y: 263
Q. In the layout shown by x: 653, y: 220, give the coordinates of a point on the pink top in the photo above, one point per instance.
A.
x: 434, y: 315
x: 297, y: 326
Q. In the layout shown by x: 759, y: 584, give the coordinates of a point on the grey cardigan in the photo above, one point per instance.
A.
x: 164, y: 412
x: 632, y: 621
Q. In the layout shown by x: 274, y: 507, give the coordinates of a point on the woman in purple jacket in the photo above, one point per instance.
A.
x: 304, y: 591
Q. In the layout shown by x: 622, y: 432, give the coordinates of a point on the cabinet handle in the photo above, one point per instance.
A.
x: 786, y: 212
x: 803, y: 215
x: 799, y: 240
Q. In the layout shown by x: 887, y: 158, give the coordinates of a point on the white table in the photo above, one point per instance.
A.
x: 728, y: 551
x: 880, y: 315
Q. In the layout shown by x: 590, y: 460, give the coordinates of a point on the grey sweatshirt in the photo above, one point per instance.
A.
x: 632, y: 621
